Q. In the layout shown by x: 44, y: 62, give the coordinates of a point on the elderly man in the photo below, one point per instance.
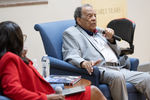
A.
x: 85, y: 46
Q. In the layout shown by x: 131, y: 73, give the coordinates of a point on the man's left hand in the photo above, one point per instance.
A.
x: 88, y: 65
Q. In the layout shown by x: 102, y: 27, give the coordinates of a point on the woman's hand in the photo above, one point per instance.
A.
x: 55, y: 97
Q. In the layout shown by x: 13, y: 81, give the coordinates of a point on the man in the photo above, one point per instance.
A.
x: 85, y: 46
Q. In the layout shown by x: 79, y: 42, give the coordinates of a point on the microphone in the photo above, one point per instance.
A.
x: 58, y: 90
x: 114, y: 36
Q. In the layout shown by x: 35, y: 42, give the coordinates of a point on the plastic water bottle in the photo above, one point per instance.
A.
x: 35, y: 64
x: 45, y: 66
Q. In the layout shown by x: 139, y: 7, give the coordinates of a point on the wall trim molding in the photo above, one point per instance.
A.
x: 10, y: 3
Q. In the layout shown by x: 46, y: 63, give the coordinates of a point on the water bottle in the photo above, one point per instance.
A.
x: 45, y: 66
x: 35, y: 64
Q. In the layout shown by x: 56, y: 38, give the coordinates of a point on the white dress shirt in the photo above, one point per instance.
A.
x: 105, y: 49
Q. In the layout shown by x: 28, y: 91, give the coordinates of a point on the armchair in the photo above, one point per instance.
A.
x: 51, y: 34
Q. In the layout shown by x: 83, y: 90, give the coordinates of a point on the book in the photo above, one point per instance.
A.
x: 65, y: 79
x: 73, y: 90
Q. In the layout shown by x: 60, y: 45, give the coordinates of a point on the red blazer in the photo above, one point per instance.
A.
x: 21, y: 81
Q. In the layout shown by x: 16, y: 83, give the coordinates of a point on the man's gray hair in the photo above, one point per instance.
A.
x: 78, y: 11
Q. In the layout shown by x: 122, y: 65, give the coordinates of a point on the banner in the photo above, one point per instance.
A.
x: 108, y: 10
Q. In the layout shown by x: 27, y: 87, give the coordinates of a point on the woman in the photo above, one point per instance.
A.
x: 20, y: 80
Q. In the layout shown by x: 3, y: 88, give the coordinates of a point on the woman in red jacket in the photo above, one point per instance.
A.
x: 20, y: 80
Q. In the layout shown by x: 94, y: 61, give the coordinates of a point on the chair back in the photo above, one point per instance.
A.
x: 51, y: 34
x: 124, y: 28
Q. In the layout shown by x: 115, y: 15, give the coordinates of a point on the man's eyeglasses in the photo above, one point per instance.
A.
x: 24, y: 38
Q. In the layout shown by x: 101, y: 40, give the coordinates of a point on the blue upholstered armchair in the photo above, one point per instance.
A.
x: 51, y: 34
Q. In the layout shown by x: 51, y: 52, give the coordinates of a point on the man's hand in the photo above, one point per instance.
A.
x: 108, y: 34
x: 88, y: 65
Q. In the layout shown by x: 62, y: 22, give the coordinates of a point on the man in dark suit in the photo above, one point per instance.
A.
x: 85, y: 46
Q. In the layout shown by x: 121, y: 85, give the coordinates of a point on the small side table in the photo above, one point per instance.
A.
x: 84, y: 82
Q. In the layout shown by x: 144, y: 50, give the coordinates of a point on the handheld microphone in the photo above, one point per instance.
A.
x: 114, y: 36
x: 58, y: 90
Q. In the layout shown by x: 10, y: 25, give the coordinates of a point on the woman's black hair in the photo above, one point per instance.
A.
x: 11, y: 39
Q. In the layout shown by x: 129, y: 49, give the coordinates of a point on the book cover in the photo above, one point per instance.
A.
x: 65, y: 79
x: 73, y: 90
